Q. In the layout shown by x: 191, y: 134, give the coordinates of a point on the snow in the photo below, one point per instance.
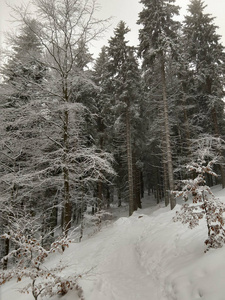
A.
x: 145, y: 256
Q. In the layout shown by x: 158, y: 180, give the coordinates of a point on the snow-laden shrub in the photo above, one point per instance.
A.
x: 204, y: 204
x: 30, y: 257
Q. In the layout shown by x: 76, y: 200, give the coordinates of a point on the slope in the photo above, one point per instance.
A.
x: 146, y: 256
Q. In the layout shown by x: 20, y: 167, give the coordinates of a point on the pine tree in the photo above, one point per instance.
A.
x: 23, y: 69
x: 206, y: 58
x: 103, y: 121
x: 125, y: 82
x: 158, y: 38
x: 20, y: 133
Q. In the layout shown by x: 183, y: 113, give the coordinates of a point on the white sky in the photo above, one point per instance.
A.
x: 126, y: 10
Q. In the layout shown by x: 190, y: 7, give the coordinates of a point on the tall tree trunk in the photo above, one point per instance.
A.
x: 100, y: 195
x: 165, y: 185
x: 142, y: 186
x: 136, y: 184
x: 119, y: 197
x: 129, y: 160
x: 67, y: 202
x: 167, y: 133
x: 138, y: 180
x: 108, y: 196
x: 101, y: 128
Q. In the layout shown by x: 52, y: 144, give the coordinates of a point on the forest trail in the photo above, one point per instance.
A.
x: 148, y: 257
x: 121, y: 272
x: 123, y: 262
x: 143, y: 257
x: 137, y: 257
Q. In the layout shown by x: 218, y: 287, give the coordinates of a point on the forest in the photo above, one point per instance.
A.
x: 79, y: 133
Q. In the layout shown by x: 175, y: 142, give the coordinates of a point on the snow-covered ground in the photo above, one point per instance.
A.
x: 144, y: 257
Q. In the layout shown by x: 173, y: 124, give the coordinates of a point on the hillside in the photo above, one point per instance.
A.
x: 146, y: 256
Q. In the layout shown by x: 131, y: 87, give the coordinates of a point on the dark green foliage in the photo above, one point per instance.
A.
x: 206, y: 59
x: 125, y: 84
x: 159, y: 31
x: 60, y: 112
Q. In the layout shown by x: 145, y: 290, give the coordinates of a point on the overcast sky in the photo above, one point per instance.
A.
x: 126, y: 10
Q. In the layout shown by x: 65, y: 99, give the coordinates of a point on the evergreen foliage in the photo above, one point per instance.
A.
x: 74, y: 130
x: 205, y: 55
x: 158, y: 41
x: 125, y: 81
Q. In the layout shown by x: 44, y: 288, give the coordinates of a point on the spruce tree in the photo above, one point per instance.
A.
x: 158, y: 39
x: 102, y: 134
x: 125, y: 83
x: 206, y: 59
x: 20, y: 133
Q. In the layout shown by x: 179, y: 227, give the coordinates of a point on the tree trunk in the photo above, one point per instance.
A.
x: 119, y: 197
x: 136, y: 185
x: 142, y: 185
x: 167, y: 133
x: 129, y: 160
x: 67, y: 202
x: 138, y: 180
x: 100, y: 195
x: 5, y: 261
x: 166, y: 195
x: 108, y: 196
x: 101, y: 128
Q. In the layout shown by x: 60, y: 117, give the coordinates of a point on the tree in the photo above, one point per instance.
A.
x: 64, y: 30
x: 204, y: 203
x: 206, y: 59
x: 102, y: 106
x: 19, y: 133
x: 102, y: 99
x: 158, y: 38
x: 125, y: 81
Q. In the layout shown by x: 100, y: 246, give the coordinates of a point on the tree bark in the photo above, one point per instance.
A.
x: 165, y: 180
x: 169, y: 160
x: 5, y: 261
x: 136, y: 184
x: 129, y: 160
x: 100, y: 195
x: 67, y: 202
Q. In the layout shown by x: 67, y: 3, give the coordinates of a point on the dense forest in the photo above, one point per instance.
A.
x: 79, y: 133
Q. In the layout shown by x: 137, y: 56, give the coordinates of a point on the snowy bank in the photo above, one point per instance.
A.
x: 146, y: 256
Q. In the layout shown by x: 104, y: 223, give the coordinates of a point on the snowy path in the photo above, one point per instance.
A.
x: 139, y: 257
x: 144, y: 257
x: 128, y: 260
x: 121, y: 272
